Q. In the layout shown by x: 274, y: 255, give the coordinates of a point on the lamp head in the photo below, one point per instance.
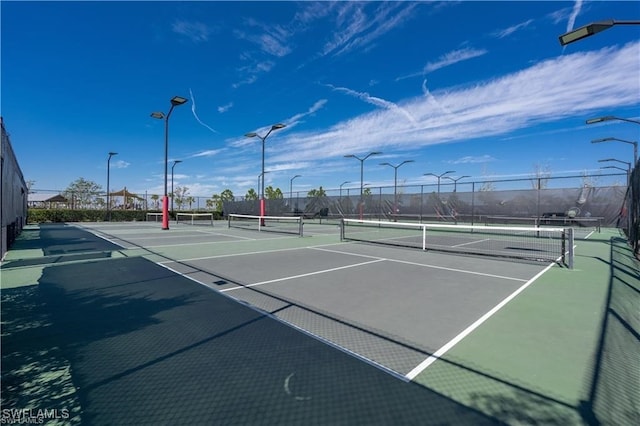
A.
x: 158, y: 115
x: 278, y: 126
x: 178, y: 100
x: 600, y: 119
x: 251, y: 135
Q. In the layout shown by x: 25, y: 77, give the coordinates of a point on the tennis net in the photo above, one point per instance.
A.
x: 280, y: 224
x: 530, y: 243
x: 195, y: 218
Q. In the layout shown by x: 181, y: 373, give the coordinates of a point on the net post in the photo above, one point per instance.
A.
x: 229, y: 221
x: 341, y: 229
x: 424, y: 237
x: 570, y: 252
x: 301, y: 231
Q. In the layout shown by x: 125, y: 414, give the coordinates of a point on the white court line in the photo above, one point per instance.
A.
x: 249, y: 253
x: 426, y: 265
x: 444, y: 349
x: 472, y: 242
x: 296, y: 327
x: 293, y: 277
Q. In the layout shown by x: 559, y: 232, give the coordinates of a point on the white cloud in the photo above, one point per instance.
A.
x: 508, y: 31
x: 196, y: 31
x: 453, y: 57
x: 469, y: 159
x: 120, y: 164
x: 225, y: 108
x: 207, y: 153
x: 577, y: 6
x: 379, y: 102
x: 545, y: 92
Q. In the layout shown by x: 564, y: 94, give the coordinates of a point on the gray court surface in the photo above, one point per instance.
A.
x: 224, y: 326
x: 388, y: 306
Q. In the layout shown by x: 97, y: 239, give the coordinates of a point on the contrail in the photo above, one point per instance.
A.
x: 432, y: 98
x: 193, y: 109
x: 577, y: 6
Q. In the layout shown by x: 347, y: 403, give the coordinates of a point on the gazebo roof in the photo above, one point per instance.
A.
x: 42, y: 197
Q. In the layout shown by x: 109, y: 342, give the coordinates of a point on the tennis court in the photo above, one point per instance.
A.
x: 392, y: 307
x: 237, y: 325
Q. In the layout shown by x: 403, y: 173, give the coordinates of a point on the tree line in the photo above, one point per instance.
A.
x: 84, y: 193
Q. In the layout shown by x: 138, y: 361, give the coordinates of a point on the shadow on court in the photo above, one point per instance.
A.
x: 613, y: 396
x: 126, y: 341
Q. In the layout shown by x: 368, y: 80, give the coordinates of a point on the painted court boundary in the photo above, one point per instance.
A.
x: 444, y: 349
x: 416, y: 370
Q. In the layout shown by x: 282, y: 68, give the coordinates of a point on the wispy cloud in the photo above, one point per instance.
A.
x: 120, y: 164
x: 577, y: 6
x: 453, y: 57
x: 270, y: 40
x: 379, y: 102
x: 545, y: 92
x: 207, y: 153
x: 508, y: 31
x: 196, y: 31
x: 193, y: 110
x: 469, y: 159
x: 225, y: 108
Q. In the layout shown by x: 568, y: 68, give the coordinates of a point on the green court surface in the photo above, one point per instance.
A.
x: 121, y: 323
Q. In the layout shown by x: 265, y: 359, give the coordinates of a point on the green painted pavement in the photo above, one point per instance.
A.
x: 532, y: 362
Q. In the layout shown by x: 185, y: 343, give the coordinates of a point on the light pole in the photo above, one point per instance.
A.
x: 455, y: 181
x: 591, y: 29
x: 341, y: 185
x: 395, y: 185
x: 263, y: 139
x: 634, y: 143
x: 175, y: 101
x: 172, y: 194
x: 291, y: 188
x: 111, y: 154
x: 439, y: 177
x: 362, y: 176
x: 261, y: 176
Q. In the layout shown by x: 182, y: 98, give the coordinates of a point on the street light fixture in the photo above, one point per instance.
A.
x: 362, y: 176
x: 591, y: 29
x: 395, y: 185
x: 609, y: 118
x: 111, y: 154
x: 341, y: 185
x: 175, y: 101
x: 172, y: 194
x: 263, y: 139
x: 291, y: 188
x: 616, y: 160
x: 439, y: 177
x: 634, y: 143
x: 455, y: 181
x: 615, y: 167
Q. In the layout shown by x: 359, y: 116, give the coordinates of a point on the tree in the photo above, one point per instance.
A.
x: 316, y: 193
x: 226, y: 196
x: 273, y: 194
x: 215, y: 202
x: 251, y: 195
x: 540, y: 176
x: 82, y: 192
x: 155, y: 198
x: 190, y: 200
x: 180, y: 195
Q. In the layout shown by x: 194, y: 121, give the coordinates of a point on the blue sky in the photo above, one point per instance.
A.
x: 480, y: 88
